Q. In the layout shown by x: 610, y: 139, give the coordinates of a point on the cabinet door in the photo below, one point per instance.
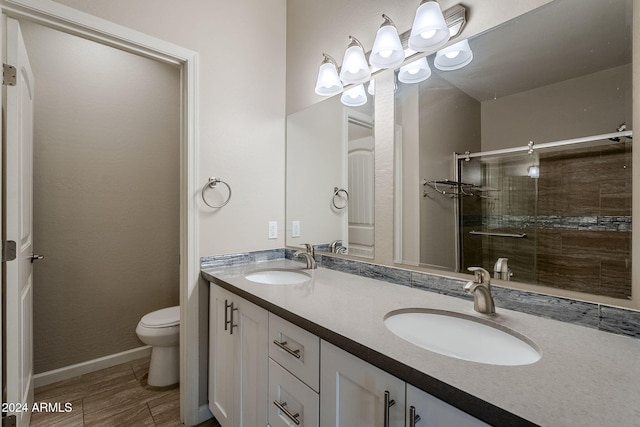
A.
x: 251, y: 337
x: 353, y: 392
x: 291, y: 402
x: 434, y: 412
x: 221, y: 358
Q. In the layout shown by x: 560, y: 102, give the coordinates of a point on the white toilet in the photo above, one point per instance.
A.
x: 161, y: 330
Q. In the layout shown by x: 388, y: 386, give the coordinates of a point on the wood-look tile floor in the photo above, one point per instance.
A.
x: 116, y: 396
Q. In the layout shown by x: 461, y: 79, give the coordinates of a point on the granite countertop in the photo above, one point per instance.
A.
x: 585, y: 376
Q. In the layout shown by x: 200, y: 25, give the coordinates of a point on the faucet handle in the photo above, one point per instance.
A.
x: 310, y: 249
x: 481, y: 275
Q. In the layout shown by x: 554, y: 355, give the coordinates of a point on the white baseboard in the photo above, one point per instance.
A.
x: 71, y: 371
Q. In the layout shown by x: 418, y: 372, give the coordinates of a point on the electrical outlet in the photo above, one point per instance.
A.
x: 273, y: 229
x: 295, y: 228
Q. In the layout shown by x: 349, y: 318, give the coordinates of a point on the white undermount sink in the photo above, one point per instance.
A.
x: 278, y: 277
x: 462, y: 336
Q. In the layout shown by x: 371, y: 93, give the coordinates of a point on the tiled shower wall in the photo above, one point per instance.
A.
x: 577, y: 218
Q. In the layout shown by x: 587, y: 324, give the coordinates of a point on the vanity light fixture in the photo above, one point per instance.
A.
x: 533, y: 171
x: 453, y: 57
x: 415, y: 72
x: 429, y: 31
x: 387, y: 51
x: 328, y: 83
x: 354, y: 97
x: 355, y: 69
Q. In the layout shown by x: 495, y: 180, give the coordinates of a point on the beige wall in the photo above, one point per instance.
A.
x: 317, y: 155
x: 106, y: 195
x: 588, y: 105
x: 241, y: 99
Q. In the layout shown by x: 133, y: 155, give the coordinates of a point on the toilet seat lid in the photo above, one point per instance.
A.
x: 162, y: 318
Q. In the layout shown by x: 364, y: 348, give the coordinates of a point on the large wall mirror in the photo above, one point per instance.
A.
x: 558, y: 73
x: 330, y: 177
x: 541, y: 196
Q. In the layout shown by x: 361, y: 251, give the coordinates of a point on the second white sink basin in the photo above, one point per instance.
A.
x: 462, y: 336
x: 278, y: 277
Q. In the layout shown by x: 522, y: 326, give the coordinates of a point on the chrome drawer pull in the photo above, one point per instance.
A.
x: 413, y: 417
x: 291, y: 416
x: 388, y: 403
x: 283, y: 345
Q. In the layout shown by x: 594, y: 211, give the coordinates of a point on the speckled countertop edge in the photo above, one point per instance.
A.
x: 585, y: 376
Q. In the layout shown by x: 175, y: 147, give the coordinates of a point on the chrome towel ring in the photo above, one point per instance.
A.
x: 211, y: 183
x: 336, y: 194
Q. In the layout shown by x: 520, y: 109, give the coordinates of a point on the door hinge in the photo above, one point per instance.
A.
x: 8, y: 250
x: 9, y: 421
x: 9, y: 75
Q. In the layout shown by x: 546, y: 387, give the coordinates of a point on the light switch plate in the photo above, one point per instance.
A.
x: 273, y: 229
x: 295, y: 228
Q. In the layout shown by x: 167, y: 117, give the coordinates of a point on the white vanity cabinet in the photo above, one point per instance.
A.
x: 238, y: 354
x: 429, y: 411
x: 355, y: 393
x: 294, y: 375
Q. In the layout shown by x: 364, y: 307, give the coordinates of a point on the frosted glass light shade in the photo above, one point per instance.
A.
x: 454, y: 57
x: 415, y: 72
x: 371, y: 89
x: 429, y: 31
x: 328, y: 83
x: 387, y: 51
x: 355, y: 69
x: 533, y: 171
x: 354, y: 97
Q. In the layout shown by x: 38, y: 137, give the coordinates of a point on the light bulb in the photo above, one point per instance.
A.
x: 453, y: 54
x: 428, y: 34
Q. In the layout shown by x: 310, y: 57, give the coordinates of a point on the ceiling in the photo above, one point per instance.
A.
x: 562, y: 40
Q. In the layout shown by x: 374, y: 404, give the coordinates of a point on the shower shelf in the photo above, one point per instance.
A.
x: 453, y: 189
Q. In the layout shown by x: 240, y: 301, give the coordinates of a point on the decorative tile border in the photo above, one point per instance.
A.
x: 557, y: 222
x: 597, y: 316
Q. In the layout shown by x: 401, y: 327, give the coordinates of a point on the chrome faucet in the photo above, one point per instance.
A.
x: 480, y: 287
x: 309, y: 255
x: 501, y: 269
x: 333, y: 247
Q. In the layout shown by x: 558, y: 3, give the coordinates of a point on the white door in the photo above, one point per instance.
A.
x: 19, y: 221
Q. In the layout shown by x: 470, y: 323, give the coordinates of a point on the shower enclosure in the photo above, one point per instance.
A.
x: 559, y: 212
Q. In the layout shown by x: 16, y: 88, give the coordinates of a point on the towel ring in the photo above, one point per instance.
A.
x: 336, y: 193
x: 211, y: 183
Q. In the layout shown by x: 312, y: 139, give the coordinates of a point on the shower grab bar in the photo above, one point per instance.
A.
x: 211, y: 183
x: 527, y: 148
x: 486, y: 233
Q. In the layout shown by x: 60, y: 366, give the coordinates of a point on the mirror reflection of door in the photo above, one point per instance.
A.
x: 360, y: 154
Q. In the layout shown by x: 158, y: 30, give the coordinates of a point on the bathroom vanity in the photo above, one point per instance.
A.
x: 316, y: 352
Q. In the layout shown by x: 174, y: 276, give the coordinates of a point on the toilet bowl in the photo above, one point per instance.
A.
x: 161, y: 330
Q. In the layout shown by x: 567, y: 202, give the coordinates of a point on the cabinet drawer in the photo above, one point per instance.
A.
x: 296, y: 350
x: 291, y: 402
